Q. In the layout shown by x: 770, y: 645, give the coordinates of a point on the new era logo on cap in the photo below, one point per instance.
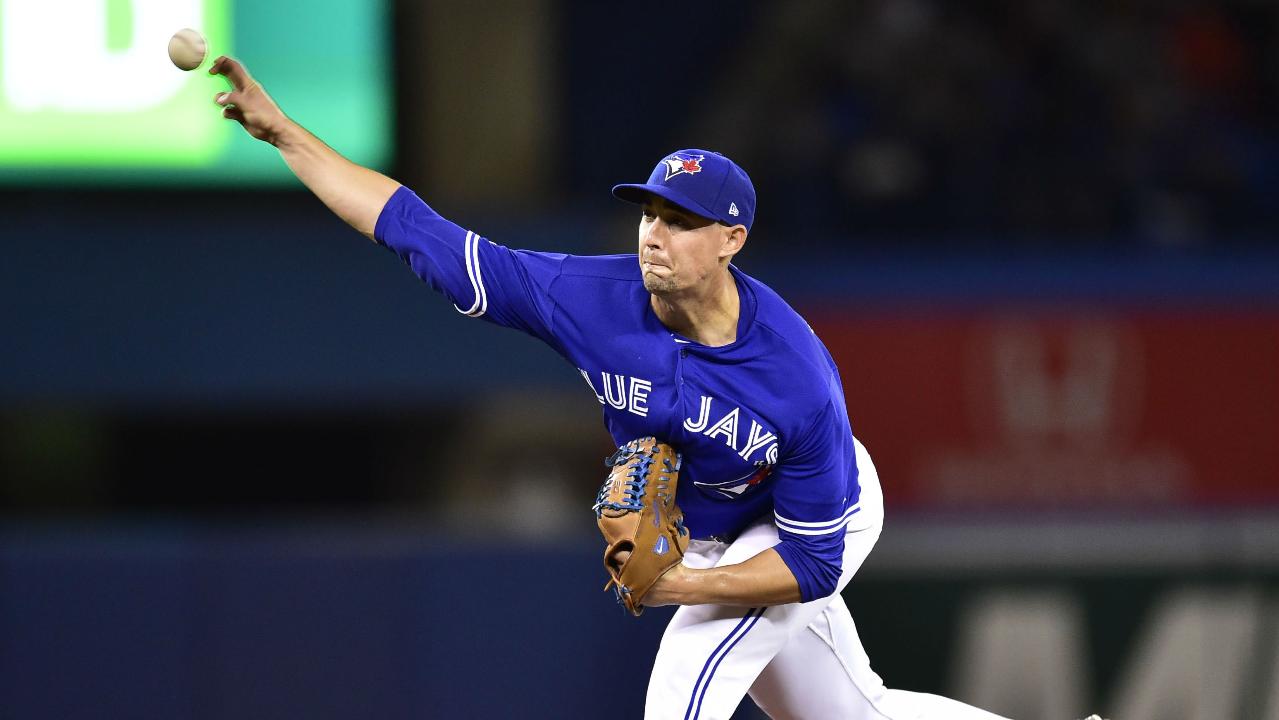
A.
x: 701, y: 181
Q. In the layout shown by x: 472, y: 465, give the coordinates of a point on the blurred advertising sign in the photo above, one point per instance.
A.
x: 83, y: 82
x: 88, y: 95
x: 1065, y: 409
x: 1174, y: 647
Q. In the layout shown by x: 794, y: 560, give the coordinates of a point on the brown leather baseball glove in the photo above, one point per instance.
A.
x: 643, y: 528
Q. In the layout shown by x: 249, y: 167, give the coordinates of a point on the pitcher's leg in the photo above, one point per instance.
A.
x: 709, y: 656
x: 823, y: 672
x: 935, y: 707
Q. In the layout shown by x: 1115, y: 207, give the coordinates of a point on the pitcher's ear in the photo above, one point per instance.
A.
x: 734, y: 241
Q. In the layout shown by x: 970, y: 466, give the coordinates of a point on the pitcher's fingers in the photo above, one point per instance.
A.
x: 233, y: 113
x: 233, y: 70
x: 216, y: 67
x: 225, y: 98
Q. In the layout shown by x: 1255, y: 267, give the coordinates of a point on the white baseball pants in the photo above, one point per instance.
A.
x: 802, y: 661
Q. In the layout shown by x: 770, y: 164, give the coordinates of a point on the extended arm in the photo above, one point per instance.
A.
x: 482, y: 279
x: 355, y: 193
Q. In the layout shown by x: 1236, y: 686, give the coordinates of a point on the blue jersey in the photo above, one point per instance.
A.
x: 761, y: 422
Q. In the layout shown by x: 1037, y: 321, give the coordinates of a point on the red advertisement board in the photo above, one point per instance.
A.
x: 1064, y: 409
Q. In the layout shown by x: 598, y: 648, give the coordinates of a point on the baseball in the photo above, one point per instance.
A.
x: 187, y: 49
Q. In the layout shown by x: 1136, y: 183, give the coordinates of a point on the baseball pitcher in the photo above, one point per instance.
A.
x: 734, y: 440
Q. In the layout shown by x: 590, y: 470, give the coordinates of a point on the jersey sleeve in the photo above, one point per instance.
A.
x: 482, y: 279
x: 811, y: 503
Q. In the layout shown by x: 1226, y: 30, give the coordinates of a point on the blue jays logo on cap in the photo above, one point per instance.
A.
x: 701, y: 181
x: 677, y: 164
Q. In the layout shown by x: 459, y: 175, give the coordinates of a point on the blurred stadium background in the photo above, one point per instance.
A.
x: 250, y: 467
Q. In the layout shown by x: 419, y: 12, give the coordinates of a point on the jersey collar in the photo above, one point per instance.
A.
x: 747, y: 306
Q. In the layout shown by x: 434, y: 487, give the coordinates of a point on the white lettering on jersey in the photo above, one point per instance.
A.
x: 703, y: 417
x: 639, y: 397
x: 727, y: 426
x: 759, y: 437
x: 622, y: 392
x: 618, y: 383
x: 587, y: 378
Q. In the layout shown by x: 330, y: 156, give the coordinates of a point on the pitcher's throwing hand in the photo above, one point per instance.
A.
x: 248, y: 103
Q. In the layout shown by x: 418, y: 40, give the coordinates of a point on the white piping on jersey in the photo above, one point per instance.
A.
x: 472, y: 250
x: 816, y: 528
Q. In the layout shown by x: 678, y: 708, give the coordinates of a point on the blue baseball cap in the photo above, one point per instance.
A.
x: 700, y: 181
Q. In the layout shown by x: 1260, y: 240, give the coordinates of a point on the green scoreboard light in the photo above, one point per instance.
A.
x: 88, y: 94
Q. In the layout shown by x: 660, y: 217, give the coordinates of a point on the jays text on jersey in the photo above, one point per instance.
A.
x: 761, y: 422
